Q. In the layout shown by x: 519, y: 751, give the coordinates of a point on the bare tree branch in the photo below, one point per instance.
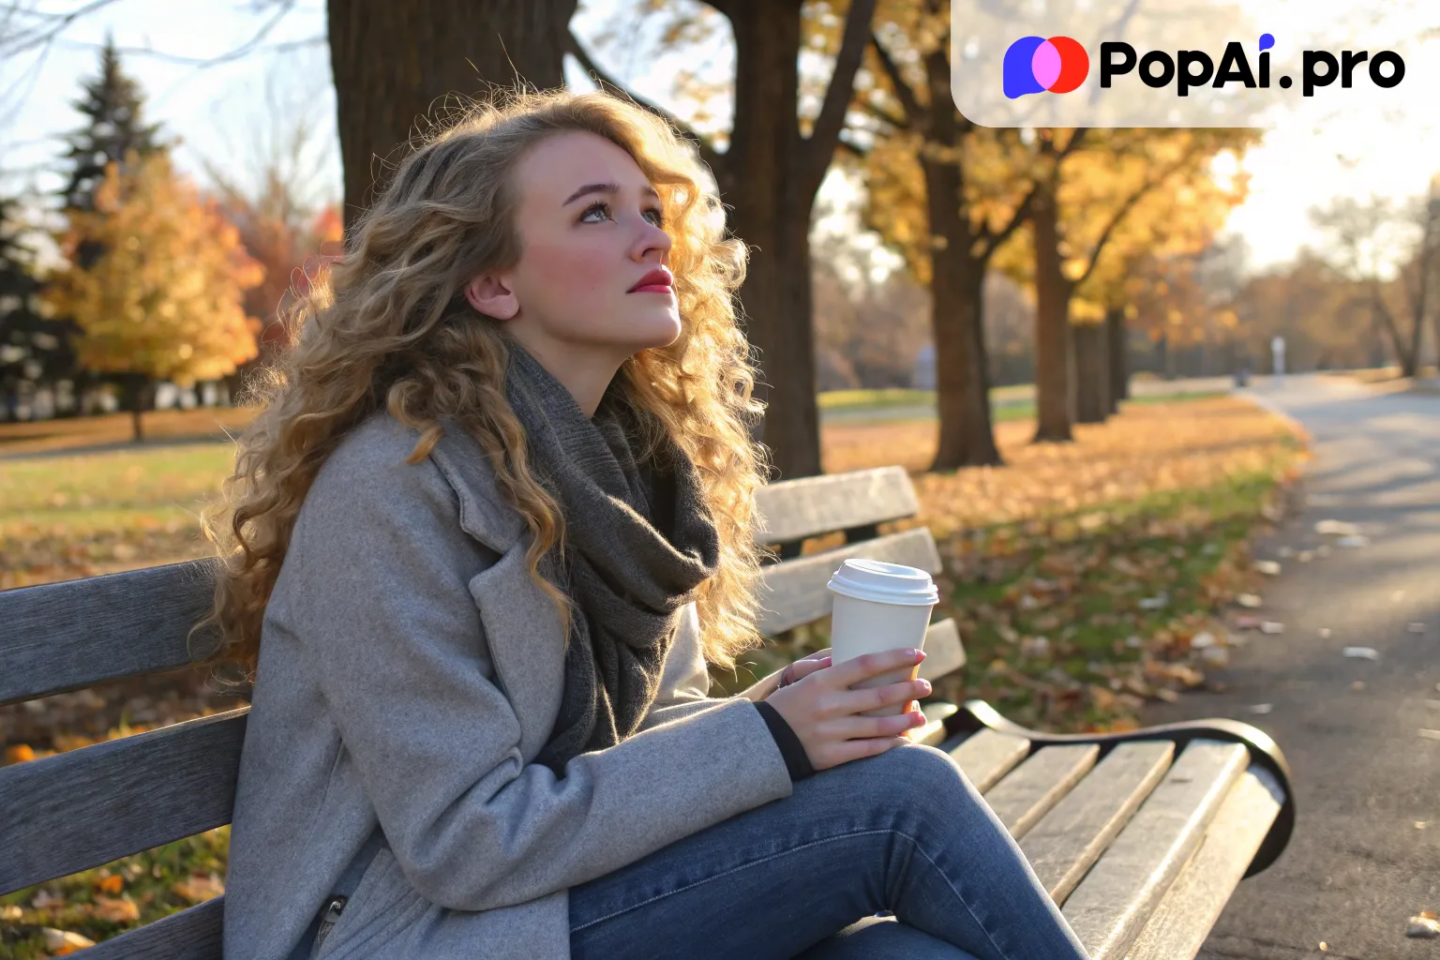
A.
x: 903, y: 91
x: 820, y: 146
x: 993, y: 239
x: 1125, y: 208
x: 854, y: 150
x: 250, y: 46
x: 877, y: 112
x: 54, y: 25
x: 714, y: 159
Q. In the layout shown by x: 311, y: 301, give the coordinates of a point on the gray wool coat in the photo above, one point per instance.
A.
x: 409, y: 672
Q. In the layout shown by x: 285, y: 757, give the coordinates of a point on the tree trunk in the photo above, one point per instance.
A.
x: 1417, y: 344
x: 962, y: 382
x: 771, y: 213
x: 137, y: 393
x: 957, y: 279
x: 392, y: 62
x: 1437, y: 343
x: 1116, y: 340
x: 1054, y: 382
x: 1092, y: 363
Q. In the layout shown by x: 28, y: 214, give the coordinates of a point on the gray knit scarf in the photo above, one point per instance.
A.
x: 640, y: 539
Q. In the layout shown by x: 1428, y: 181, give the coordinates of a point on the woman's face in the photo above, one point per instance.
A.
x: 592, y: 286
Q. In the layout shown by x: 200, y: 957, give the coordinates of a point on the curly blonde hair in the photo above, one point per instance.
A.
x: 389, y: 326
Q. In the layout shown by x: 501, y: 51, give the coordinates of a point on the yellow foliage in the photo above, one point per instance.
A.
x: 164, y: 297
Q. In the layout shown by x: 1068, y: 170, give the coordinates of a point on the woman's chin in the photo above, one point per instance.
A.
x: 661, y: 330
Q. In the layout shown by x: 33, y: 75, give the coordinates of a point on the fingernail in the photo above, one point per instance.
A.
x: 918, y: 655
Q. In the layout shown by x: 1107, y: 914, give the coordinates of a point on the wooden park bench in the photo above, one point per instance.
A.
x: 1141, y: 837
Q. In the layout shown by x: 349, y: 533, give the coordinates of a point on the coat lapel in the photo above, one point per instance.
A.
x: 522, y: 626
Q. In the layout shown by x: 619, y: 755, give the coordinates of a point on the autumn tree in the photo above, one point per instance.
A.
x: 1323, y: 315
x: 1177, y: 220
x: 163, y: 301
x: 114, y: 128
x: 284, y: 218
x: 947, y: 194
x: 1365, y: 236
x: 1084, y: 200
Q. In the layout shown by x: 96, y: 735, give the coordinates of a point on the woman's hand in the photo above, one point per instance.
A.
x: 803, y: 667
x: 822, y: 710
x: 761, y: 689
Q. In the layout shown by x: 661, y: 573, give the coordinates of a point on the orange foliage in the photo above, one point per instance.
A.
x: 164, y: 299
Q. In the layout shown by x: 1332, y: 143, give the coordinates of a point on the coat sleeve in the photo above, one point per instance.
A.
x: 377, y: 595
x: 685, y: 682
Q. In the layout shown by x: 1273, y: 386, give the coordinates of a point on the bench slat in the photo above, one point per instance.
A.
x: 1117, y: 897
x: 933, y: 733
x: 1067, y: 840
x: 1027, y: 794
x: 1185, y: 917
x: 944, y: 651
x: 159, y: 786
x: 64, y: 636
x: 987, y: 756
x: 792, y: 510
x: 193, y: 934
x: 794, y: 591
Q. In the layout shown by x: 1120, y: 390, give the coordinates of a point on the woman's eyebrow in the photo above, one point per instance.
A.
x: 610, y: 188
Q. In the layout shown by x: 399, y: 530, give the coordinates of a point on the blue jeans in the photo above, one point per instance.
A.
x: 805, y: 877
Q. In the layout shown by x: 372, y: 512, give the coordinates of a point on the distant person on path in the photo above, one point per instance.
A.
x: 490, y: 525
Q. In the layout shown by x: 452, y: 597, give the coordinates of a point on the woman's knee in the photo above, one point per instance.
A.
x: 902, y: 777
x: 920, y: 772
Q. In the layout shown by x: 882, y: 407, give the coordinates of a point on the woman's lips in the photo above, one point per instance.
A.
x: 656, y: 281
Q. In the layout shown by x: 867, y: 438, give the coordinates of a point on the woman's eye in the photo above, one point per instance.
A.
x: 600, y: 208
x: 657, y: 217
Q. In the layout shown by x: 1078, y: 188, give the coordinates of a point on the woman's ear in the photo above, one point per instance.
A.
x: 490, y: 294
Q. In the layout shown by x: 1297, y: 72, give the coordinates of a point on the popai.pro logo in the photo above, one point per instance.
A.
x: 1060, y: 65
x: 1035, y: 65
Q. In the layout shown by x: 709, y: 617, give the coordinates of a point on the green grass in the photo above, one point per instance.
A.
x: 1174, y: 544
x: 88, y: 493
x: 871, y: 399
x: 1006, y: 403
x: 149, y: 879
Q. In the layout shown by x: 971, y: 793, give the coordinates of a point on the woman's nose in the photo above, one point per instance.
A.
x: 650, y: 241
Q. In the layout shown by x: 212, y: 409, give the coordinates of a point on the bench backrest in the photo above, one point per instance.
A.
x: 76, y: 810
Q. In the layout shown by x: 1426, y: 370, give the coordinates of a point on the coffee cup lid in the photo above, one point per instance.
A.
x: 884, y: 582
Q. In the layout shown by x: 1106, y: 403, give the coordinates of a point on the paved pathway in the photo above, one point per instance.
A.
x: 1366, y: 851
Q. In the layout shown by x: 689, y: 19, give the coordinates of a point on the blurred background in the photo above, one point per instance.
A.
x: 1075, y: 340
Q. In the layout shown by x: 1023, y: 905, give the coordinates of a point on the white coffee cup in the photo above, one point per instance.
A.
x: 879, y: 606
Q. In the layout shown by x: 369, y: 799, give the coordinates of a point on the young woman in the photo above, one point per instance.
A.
x: 489, y: 527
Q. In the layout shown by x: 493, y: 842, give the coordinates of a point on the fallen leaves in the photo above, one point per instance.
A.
x: 1361, y: 653
x: 70, y: 913
x: 1424, y: 926
x: 198, y: 889
x: 1087, y: 578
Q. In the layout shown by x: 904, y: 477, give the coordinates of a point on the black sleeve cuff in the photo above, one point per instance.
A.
x: 796, y: 760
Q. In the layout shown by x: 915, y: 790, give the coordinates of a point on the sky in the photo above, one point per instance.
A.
x: 228, y: 115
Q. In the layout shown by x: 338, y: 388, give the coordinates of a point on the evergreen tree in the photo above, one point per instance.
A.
x: 113, y: 107
x: 33, y: 350
x: 114, y: 129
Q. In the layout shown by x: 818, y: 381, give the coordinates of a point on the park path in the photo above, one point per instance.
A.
x: 1366, y: 851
